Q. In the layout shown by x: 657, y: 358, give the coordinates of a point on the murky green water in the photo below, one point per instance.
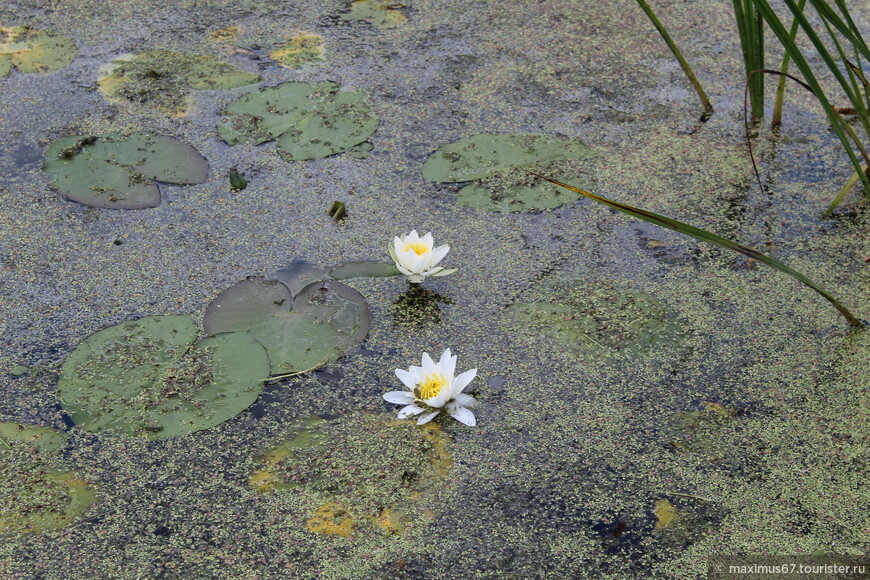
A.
x: 646, y: 401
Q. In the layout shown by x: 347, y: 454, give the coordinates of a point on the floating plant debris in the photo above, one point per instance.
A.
x: 35, y: 495
x: 381, y: 13
x: 597, y: 319
x: 163, y: 79
x: 237, y: 180
x: 302, y: 332
x: 496, y: 165
x: 337, y: 211
x: 347, y: 467
x: 301, y: 49
x: 151, y: 377
x: 33, y: 51
x: 118, y: 171
x: 309, y: 121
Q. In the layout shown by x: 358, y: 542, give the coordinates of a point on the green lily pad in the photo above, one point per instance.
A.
x: 163, y: 79
x: 299, y: 50
x: 151, y: 377
x: 498, y: 166
x: 310, y: 121
x: 599, y: 320
x: 381, y: 13
x: 299, y: 274
x: 33, y: 51
x: 117, y: 171
x: 300, y: 333
x: 37, y: 496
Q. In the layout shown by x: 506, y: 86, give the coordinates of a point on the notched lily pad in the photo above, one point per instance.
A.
x: 597, y: 319
x: 302, y: 332
x: 163, y: 79
x: 35, y: 495
x: 301, y: 49
x: 33, y: 51
x: 347, y: 469
x: 498, y: 166
x: 381, y: 13
x: 310, y: 121
x: 117, y: 171
x: 151, y: 377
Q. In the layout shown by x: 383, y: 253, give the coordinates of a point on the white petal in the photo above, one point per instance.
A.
x: 460, y: 382
x: 427, y: 417
x: 412, y: 237
x: 438, y: 254
x: 463, y: 400
x: 463, y: 415
x: 399, y: 397
x: 427, y: 240
x: 410, y: 411
x: 408, y: 378
x: 447, y: 364
x: 428, y: 364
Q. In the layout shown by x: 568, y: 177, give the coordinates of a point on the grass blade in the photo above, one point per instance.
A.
x: 706, y: 236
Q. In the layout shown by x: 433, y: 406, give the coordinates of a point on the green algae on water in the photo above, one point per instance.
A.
x: 33, y: 51
x: 151, y: 377
x: 37, y: 496
x: 310, y: 121
x: 117, y: 171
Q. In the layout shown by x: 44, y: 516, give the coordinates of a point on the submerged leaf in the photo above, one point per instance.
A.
x: 497, y: 165
x: 364, y: 269
x: 310, y: 121
x: 151, y: 377
x: 117, y: 171
x: 300, y: 333
x: 33, y: 51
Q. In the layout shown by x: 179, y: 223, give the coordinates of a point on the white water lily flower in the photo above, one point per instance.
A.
x: 432, y: 387
x: 416, y: 257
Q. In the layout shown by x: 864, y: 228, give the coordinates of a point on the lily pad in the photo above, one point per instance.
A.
x: 381, y: 13
x: 300, y: 333
x: 310, y: 121
x: 299, y: 50
x: 364, y: 269
x: 37, y: 496
x: 117, y: 171
x: 33, y: 51
x: 498, y: 166
x: 163, y: 79
x: 151, y: 377
x: 598, y: 320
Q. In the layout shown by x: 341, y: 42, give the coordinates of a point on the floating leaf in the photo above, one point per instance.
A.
x: 299, y: 50
x: 151, y: 377
x: 381, y: 13
x: 36, y: 496
x: 299, y: 274
x: 117, y: 171
x: 497, y: 166
x: 33, y: 51
x: 598, y: 319
x: 665, y: 513
x: 163, y: 79
x: 364, y: 269
x: 310, y: 121
x: 300, y: 333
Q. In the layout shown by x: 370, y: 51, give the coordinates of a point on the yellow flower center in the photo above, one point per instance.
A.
x: 419, y: 247
x: 431, y: 385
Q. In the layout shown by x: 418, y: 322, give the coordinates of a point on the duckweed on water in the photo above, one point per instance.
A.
x: 497, y: 166
x: 360, y: 472
x: 151, y: 377
x: 33, y: 51
x: 117, y: 171
x: 36, y: 496
x: 163, y: 79
x: 310, y: 121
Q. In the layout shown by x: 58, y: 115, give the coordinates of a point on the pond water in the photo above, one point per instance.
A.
x: 645, y: 400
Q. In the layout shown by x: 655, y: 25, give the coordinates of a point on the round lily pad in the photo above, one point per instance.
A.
x: 117, y: 171
x: 299, y: 50
x: 381, y: 13
x: 35, y: 495
x: 300, y: 333
x: 33, y: 51
x: 151, y: 377
x: 597, y: 319
x: 163, y: 79
x: 310, y: 121
x: 498, y: 167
